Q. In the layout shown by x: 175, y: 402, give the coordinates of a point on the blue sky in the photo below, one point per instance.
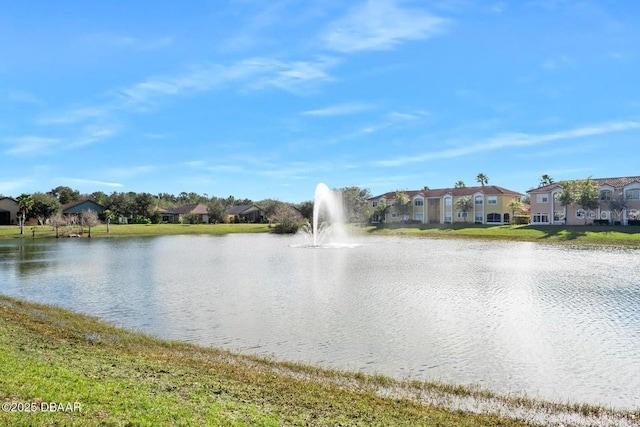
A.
x: 264, y: 99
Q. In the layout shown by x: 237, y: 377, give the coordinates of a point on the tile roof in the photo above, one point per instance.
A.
x: 240, y: 209
x: 197, y: 208
x: 456, y: 192
x: 617, y: 182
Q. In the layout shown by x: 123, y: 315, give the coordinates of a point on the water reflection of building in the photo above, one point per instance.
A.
x: 618, y: 203
x: 489, y: 204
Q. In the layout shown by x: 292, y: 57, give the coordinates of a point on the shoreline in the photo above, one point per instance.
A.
x: 622, y: 236
x: 51, y: 354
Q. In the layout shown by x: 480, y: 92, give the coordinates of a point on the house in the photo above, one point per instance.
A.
x: 80, y: 206
x: 439, y: 206
x: 167, y: 216
x: 547, y: 209
x: 8, y: 211
x: 194, y: 208
x: 244, y: 213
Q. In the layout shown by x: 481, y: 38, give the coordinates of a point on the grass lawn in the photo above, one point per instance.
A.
x: 96, y: 374
x: 589, y: 234
x: 9, y: 232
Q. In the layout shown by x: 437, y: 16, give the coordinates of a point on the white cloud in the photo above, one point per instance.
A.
x: 338, y: 110
x: 512, y: 140
x: 92, y: 182
x: 381, y: 25
x: 29, y: 145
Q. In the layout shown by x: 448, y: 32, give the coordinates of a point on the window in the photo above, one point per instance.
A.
x: 374, y: 204
x: 558, y: 216
x: 418, y: 217
x: 478, y: 218
x: 506, y: 218
x: 493, y: 217
x: 633, y: 194
x: 479, y: 200
x: 433, y: 202
x: 492, y: 200
x: 447, y: 217
x: 540, y: 217
x: 462, y: 214
x: 418, y: 202
x: 542, y: 198
x: 447, y: 201
x: 606, y: 195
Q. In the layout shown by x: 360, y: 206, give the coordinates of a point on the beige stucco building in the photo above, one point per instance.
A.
x: 547, y: 209
x: 438, y: 206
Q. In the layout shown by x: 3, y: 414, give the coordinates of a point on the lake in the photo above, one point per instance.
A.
x: 547, y: 321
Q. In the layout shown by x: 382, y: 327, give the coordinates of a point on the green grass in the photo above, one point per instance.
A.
x: 124, y: 378
x: 45, y: 231
x: 596, y: 235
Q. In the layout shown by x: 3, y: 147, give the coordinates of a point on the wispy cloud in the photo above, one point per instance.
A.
x: 23, y: 97
x: 74, y: 115
x: 512, y: 140
x: 381, y: 25
x: 90, y: 182
x: 29, y: 145
x: 339, y: 110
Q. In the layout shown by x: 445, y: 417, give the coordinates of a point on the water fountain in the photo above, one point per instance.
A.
x: 328, y: 228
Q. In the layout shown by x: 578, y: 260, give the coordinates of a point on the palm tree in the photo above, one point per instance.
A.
x: 464, y: 204
x: 515, y: 205
x: 546, y: 180
x: 482, y: 179
x: 459, y: 184
x: 25, y: 203
x: 109, y: 215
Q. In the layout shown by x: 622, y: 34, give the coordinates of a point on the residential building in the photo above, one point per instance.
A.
x: 80, y: 206
x: 439, y: 206
x: 195, y: 208
x: 8, y: 211
x: 244, y: 213
x: 547, y: 209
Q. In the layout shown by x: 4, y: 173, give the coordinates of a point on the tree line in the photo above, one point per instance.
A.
x: 143, y: 207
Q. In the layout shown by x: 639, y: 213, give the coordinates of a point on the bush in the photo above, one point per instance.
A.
x: 286, y: 227
x: 139, y: 219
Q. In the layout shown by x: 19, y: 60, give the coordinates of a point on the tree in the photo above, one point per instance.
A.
x: 120, y: 203
x: 402, y: 203
x: 567, y: 196
x: 109, y: 215
x: 515, y: 205
x: 587, y: 196
x: 306, y: 209
x: 216, y: 210
x: 355, y: 203
x: 381, y: 210
x: 57, y: 221
x: 44, y: 206
x: 89, y: 219
x: 287, y: 219
x: 464, y: 204
x: 618, y: 204
x: 482, y: 179
x: 143, y: 204
x: 65, y: 194
x: 546, y: 180
x: 460, y: 184
x: 25, y: 203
